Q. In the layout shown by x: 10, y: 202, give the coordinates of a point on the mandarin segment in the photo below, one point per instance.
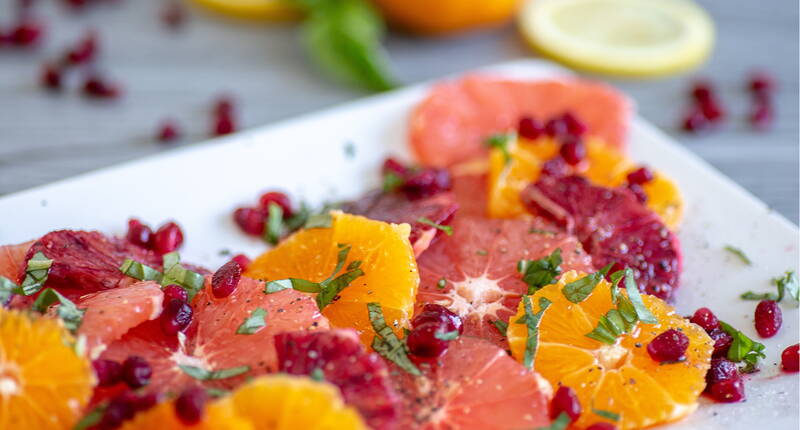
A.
x: 35, y: 394
x: 621, y: 378
x: 390, y: 269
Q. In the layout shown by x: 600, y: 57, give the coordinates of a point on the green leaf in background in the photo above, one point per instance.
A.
x: 344, y: 38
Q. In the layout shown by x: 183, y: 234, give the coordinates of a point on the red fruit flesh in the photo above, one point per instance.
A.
x: 13, y: 259
x: 167, y: 238
x: 398, y: 208
x: 790, y: 358
x: 613, y: 226
x: 225, y: 279
x: 565, y: 401
x: 705, y: 319
x: 362, y: 377
x: 768, y: 318
x: 728, y: 390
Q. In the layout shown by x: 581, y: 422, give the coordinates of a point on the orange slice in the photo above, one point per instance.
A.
x: 277, y: 10
x: 218, y: 415
x: 390, y: 270
x: 604, y: 166
x: 619, y: 378
x: 44, y: 383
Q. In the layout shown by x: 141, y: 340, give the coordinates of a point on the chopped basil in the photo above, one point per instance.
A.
x: 441, y: 283
x: 297, y: 284
x: 36, y: 274
x: 332, y: 288
x: 613, y: 416
x: 273, y: 230
x: 255, y: 322
x: 450, y: 335
x: 391, y: 182
x: 92, y: 418
x: 445, y: 228
x: 216, y: 392
x: 501, y: 326
x: 541, y: 231
x: 206, y: 375
x: 322, y: 220
x: 387, y: 344
x: 137, y: 270
x: 542, y: 272
x: 739, y: 253
x: 629, y: 311
x: 635, y: 297
x: 67, y: 311
x: 174, y: 273
x: 785, y: 284
x: 743, y: 349
x: 560, y: 423
x: 317, y: 374
x: 482, y: 252
x: 298, y: 219
x: 8, y: 288
x: 578, y: 290
x: 500, y: 141
x: 531, y: 320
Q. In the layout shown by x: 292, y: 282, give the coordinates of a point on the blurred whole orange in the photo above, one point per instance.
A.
x: 438, y: 17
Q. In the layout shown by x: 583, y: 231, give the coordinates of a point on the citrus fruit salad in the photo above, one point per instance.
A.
x: 520, y: 273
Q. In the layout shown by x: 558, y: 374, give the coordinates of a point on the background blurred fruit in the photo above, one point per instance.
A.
x: 447, y: 16
x: 252, y: 9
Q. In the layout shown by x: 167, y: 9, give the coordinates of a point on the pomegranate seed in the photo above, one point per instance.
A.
x: 224, y: 125
x: 573, y: 125
x: 695, y: 121
x: 84, y: 51
x: 438, y: 314
x: 638, y: 191
x: 250, y: 220
x: 768, y: 318
x: 139, y: 234
x: 145, y: 401
x: 555, y: 128
x: 223, y: 106
x: 390, y: 165
x: 225, y: 279
x: 761, y: 82
x: 565, y: 400
x: 172, y: 15
x: 602, y: 426
x: 702, y: 90
x: 26, y: 33
x: 555, y: 167
x: 136, y: 371
x: 108, y: 372
x: 177, y: 315
x: 640, y: 176
x: 530, y: 128
x: 190, y: 404
x: 670, y: 345
x: 167, y: 238
x: 728, y: 390
x: 427, y: 182
x: 712, y: 110
x: 573, y: 151
x: 722, y: 342
x: 119, y: 409
x: 242, y: 260
x: 175, y: 292
x: 422, y: 341
x: 50, y: 77
x: 721, y: 370
x: 75, y: 4
x: 168, y: 131
x: 706, y: 319
x: 279, y: 199
x: 790, y: 357
x: 96, y: 87
x: 762, y: 115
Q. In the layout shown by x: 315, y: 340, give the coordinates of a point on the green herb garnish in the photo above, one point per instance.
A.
x: 321, y: 220
x: 531, y: 320
x: 255, y: 322
x: 317, y: 374
x: 500, y: 141
x: 743, y: 349
x: 541, y: 231
x: 174, y: 273
x: 387, y: 344
x: 785, y: 284
x: 441, y: 283
x: 542, y: 272
x: 92, y: 418
x: 273, y: 228
x: 613, y: 416
x: 578, y: 290
x: 206, y: 375
x: 450, y: 335
x: 66, y: 310
x: 629, y: 311
x: 739, y: 253
x: 501, y: 326
x: 8, y: 288
x: 482, y: 252
x: 445, y: 228
x: 36, y: 274
x: 560, y: 423
x: 216, y: 392
x: 391, y: 182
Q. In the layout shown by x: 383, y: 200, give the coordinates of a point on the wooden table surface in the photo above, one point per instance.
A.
x: 45, y: 137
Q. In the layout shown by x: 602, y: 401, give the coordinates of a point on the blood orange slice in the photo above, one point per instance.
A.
x: 475, y: 385
x: 478, y: 264
x: 453, y: 121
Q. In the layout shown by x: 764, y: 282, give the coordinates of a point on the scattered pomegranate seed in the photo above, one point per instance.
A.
x: 438, y: 314
x: 176, y: 292
x: 177, y: 315
x: 167, y: 238
x: 50, y: 77
x: 168, y: 131
x: 573, y: 151
x: 602, y: 426
x: 422, y: 341
x: 695, y: 121
x: 668, y: 346
x: 565, y: 400
x: 426, y: 182
x: 223, y: 106
x: 762, y: 116
x: 790, y: 357
x: 242, y: 260
x: 225, y: 279
x: 555, y: 167
x: 530, y: 128
x: 136, y: 371
x: 702, y: 90
x: 761, y: 82
x: 638, y: 191
x: 728, y: 390
x: 96, y: 86
x: 108, y: 372
x: 390, y: 165
x: 768, y: 318
x: 279, y: 199
x: 721, y: 369
x: 26, y: 33
x: 250, y: 220
x: 573, y: 125
x: 120, y: 408
x: 84, y: 51
x: 189, y: 406
x: 224, y: 125
x: 706, y: 319
x: 173, y: 15
x: 139, y: 234
x: 640, y: 176
x: 712, y: 110
x: 722, y: 342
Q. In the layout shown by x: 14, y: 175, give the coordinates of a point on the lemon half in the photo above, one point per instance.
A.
x: 277, y: 10
x: 636, y: 38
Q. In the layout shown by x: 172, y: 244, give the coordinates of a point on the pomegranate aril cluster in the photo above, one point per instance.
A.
x: 178, y: 313
x: 123, y: 407
x: 223, y: 117
x: 415, y: 182
x: 168, y: 237
x: 636, y: 179
x: 567, y: 129
x: 761, y: 86
x: 723, y: 382
x: 136, y: 371
x: 190, y: 404
x: 428, y: 327
x: 25, y: 31
x: 705, y: 110
x: 252, y: 219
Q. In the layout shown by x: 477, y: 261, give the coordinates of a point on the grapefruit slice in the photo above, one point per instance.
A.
x: 479, y: 266
x: 613, y: 227
x: 362, y: 377
x: 450, y: 125
x: 475, y: 385
x: 12, y: 261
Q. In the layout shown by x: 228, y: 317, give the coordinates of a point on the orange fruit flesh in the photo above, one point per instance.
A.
x: 621, y: 378
x: 390, y: 269
x: 218, y: 415
x: 447, y: 16
x: 34, y: 393
x: 604, y: 166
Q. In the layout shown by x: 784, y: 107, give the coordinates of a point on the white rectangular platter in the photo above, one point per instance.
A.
x: 200, y: 185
